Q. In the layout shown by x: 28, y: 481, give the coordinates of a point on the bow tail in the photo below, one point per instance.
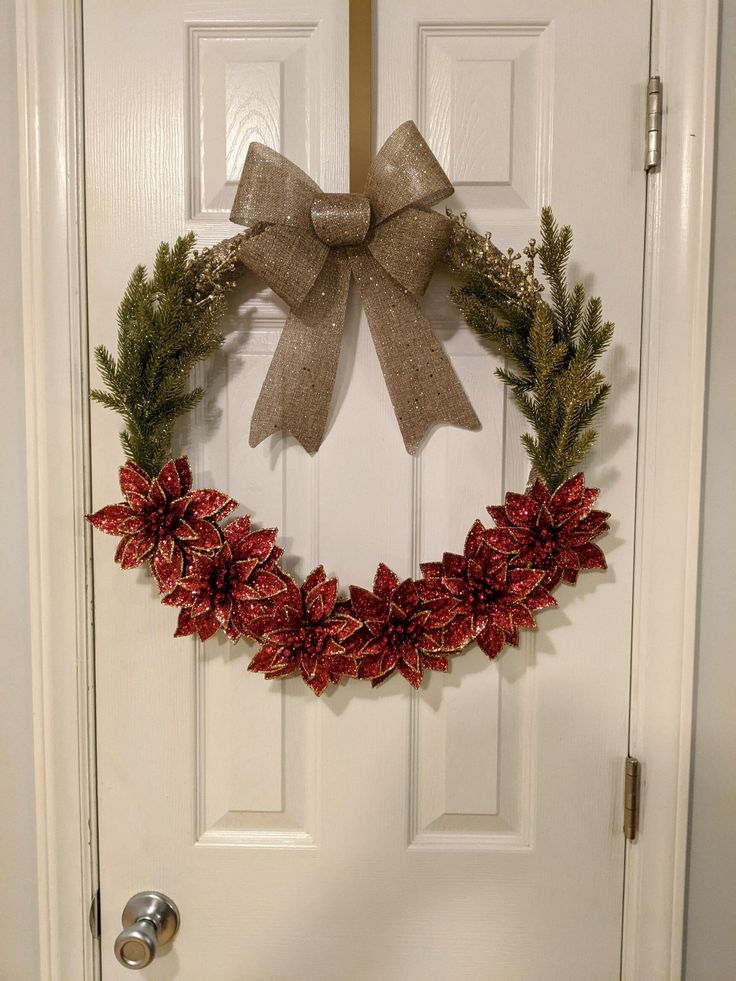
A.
x: 422, y: 384
x: 295, y: 397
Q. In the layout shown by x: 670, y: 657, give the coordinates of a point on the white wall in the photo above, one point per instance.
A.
x: 18, y: 933
x: 711, y: 910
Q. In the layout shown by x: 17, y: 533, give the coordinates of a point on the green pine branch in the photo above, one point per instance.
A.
x: 552, y: 346
x: 167, y: 323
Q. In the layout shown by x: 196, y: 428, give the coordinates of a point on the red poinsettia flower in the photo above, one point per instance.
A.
x: 491, y: 600
x: 226, y: 588
x: 304, y: 633
x: 163, y: 520
x: 552, y: 532
x: 399, y: 632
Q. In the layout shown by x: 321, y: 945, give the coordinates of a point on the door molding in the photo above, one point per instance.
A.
x: 49, y: 39
x: 672, y: 394
x: 49, y: 49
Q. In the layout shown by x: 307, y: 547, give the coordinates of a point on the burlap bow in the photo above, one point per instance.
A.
x: 306, y: 244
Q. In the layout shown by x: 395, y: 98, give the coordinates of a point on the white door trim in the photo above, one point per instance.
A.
x: 677, y: 275
x: 668, y: 500
x: 55, y: 351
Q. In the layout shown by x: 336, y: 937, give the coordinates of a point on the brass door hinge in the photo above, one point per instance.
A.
x: 631, y: 798
x: 654, y: 124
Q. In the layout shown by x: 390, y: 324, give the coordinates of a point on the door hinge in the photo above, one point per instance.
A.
x: 94, y: 916
x: 654, y: 124
x: 631, y: 798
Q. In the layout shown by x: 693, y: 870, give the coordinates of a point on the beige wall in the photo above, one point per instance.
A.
x: 711, y: 926
x: 711, y: 932
x: 18, y: 934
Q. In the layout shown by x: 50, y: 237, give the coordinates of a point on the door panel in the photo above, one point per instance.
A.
x: 472, y: 829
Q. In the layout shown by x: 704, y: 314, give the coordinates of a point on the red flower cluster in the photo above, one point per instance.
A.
x: 305, y: 632
x: 228, y: 577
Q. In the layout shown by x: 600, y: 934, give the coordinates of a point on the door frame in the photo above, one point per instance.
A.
x: 675, y: 313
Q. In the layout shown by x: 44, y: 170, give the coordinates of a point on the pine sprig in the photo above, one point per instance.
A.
x: 167, y: 324
x: 552, y: 347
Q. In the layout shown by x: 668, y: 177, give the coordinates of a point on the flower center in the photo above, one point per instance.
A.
x: 402, y: 632
x: 546, y: 543
x: 220, y: 583
x: 311, y: 640
x: 486, y: 592
x: 160, y: 519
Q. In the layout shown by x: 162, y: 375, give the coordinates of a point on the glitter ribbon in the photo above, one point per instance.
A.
x: 306, y: 245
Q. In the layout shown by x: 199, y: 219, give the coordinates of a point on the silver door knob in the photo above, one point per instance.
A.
x: 150, y: 920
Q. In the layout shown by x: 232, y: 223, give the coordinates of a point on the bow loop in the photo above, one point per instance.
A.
x: 287, y: 260
x: 409, y: 245
x: 273, y: 190
x: 405, y: 172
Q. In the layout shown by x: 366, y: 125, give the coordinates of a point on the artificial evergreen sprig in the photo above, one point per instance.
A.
x: 167, y: 323
x: 552, y: 347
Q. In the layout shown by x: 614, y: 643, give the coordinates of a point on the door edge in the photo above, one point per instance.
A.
x: 670, y: 445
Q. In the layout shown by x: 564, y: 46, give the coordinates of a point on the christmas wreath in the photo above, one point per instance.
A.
x: 226, y: 574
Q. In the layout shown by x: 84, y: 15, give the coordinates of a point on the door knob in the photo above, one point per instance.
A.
x: 150, y: 920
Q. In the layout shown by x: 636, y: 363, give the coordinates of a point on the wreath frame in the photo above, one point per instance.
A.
x: 226, y: 575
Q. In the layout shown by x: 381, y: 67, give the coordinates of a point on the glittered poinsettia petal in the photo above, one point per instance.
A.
x: 430, y: 590
x: 413, y: 676
x: 539, y: 493
x: 568, y: 496
x: 185, y: 473
x: 376, y: 666
x: 320, y: 599
x: 521, y: 617
x: 343, y: 666
x: 474, y: 538
x: 539, y: 599
x: 498, y: 513
x: 207, y: 625
x: 591, y: 557
x: 231, y: 631
x: 209, y: 503
x: 185, y: 625
x: 431, y: 570
x: 268, y: 584
x: 405, y: 596
x: 491, y: 641
x: 206, y: 536
x: 454, y: 565
x: 458, y: 633
x: 113, y: 518
x: 258, y: 544
x: 317, y: 682
x: 365, y: 605
x: 506, y: 540
x: 385, y: 582
x: 170, y: 480
x: 134, y: 483
x: 435, y: 662
x: 136, y: 549
x: 520, y: 509
x: 315, y: 577
x: 157, y: 495
x: 522, y: 581
x: 167, y: 571
x: 237, y: 529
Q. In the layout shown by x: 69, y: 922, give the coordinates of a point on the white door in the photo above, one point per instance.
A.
x: 471, y: 830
